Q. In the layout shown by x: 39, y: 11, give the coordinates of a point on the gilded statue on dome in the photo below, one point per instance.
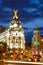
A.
x: 15, y: 14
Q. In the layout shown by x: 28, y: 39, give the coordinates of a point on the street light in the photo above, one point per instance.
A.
x: 41, y: 40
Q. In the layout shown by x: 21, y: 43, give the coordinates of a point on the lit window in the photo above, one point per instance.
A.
x: 15, y: 25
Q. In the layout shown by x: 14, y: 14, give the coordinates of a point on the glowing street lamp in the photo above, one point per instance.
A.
x: 41, y: 40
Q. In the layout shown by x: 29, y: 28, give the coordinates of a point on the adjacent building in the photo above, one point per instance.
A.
x: 36, y: 39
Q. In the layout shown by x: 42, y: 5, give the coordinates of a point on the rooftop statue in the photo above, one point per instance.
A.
x: 15, y: 14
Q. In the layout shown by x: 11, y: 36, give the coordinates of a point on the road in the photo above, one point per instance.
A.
x: 22, y: 63
x: 19, y: 63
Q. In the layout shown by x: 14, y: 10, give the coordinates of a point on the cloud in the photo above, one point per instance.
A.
x: 7, y: 9
x: 34, y: 1
x: 0, y: 1
x: 29, y: 10
x: 41, y: 5
x: 4, y: 24
x: 37, y: 21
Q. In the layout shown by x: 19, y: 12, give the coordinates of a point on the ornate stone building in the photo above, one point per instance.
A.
x: 36, y: 39
x: 15, y: 34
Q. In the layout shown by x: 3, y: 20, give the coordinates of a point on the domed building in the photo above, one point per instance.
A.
x: 36, y: 39
x: 15, y: 35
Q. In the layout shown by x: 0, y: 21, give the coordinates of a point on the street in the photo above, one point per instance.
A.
x: 9, y: 62
x: 22, y: 63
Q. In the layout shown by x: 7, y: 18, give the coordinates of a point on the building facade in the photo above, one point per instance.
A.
x: 36, y: 39
x: 15, y: 34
